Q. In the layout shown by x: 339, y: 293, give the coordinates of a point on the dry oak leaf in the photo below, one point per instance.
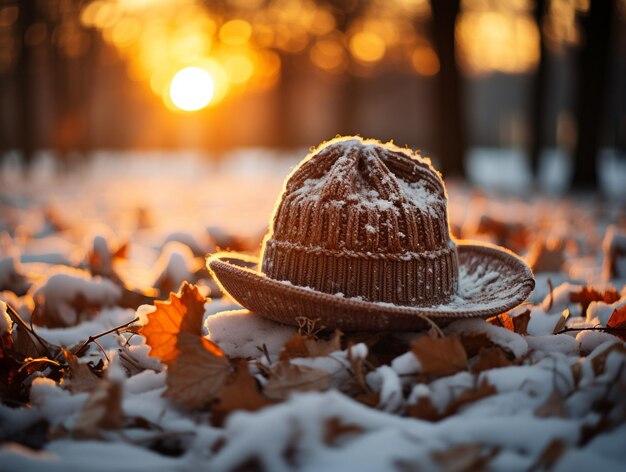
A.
x: 308, y: 346
x: 198, y: 372
x: 424, y: 410
x: 588, y: 295
x: 598, y: 362
x: 468, y: 456
x: 440, y: 357
x: 491, y: 358
x: 286, y: 378
x: 473, y: 343
x: 241, y: 392
x: 560, y: 325
x: 102, y: 410
x: 335, y: 429
x: 617, y: 321
x: 550, y: 455
x: 553, y: 406
x: 78, y: 376
x: 182, y: 313
x: 471, y: 395
x: 518, y: 323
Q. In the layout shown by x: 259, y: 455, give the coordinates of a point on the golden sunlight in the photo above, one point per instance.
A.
x: 192, y: 88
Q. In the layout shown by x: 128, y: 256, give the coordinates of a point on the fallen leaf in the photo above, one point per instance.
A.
x: 134, y: 298
x: 617, y: 321
x: 100, y: 260
x: 462, y: 457
x: 554, y: 406
x: 474, y: 342
x: 587, y: 295
x: 546, y: 255
x: 383, y: 347
x: 102, y: 410
x: 26, y: 342
x: 550, y: 455
x: 470, y: 395
x: 240, y: 393
x: 286, y: 378
x: 440, y: 357
x: 182, y: 313
x: 335, y: 428
x: 561, y: 323
x: 197, y: 373
x: 590, y: 431
x: 53, y: 315
x: 503, y: 321
x: 424, y: 410
x: 309, y: 346
x: 598, y: 362
x: 491, y: 358
x: 518, y: 323
x: 12, y: 278
x: 371, y: 399
x: 78, y: 376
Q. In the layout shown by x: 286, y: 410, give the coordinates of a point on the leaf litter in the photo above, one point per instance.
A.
x: 84, y: 361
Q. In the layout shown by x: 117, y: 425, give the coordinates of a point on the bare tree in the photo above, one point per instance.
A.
x: 539, y: 89
x: 593, y: 83
x: 450, y: 120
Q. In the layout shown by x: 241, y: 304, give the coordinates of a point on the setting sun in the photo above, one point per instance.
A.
x: 192, y: 88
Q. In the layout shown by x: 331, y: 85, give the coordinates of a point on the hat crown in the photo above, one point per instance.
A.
x: 367, y: 220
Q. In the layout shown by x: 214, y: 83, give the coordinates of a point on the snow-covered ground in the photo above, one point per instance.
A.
x: 555, y: 401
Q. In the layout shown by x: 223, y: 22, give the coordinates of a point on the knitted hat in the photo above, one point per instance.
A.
x: 360, y: 240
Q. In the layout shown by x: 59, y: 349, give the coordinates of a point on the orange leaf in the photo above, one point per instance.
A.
x: 588, y: 295
x: 182, y: 313
x: 440, y: 357
x: 618, y: 320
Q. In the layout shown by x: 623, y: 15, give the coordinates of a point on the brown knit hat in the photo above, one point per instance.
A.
x: 360, y: 240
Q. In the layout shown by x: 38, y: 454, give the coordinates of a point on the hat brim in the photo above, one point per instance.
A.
x: 492, y: 280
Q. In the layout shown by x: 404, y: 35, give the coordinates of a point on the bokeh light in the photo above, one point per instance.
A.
x: 192, y: 88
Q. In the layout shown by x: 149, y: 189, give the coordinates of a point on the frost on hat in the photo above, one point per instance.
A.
x: 365, y: 220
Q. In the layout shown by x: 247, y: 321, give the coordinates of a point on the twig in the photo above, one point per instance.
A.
x: 265, y: 352
x: 103, y: 351
x: 38, y: 359
x: 551, y: 287
x: 83, y: 347
x: 606, y: 329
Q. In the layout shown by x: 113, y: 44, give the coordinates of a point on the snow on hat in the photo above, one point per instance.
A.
x: 359, y: 240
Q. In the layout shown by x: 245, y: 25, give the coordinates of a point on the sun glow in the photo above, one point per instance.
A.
x: 192, y: 88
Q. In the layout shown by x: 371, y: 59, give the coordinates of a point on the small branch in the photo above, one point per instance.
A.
x: 103, y: 351
x: 606, y: 329
x: 551, y: 287
x: 83, y: 347
x: 38, y: 359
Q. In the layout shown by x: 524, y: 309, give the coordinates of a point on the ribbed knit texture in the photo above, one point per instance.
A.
x: 367, y: 220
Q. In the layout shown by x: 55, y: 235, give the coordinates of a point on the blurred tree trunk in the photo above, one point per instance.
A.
x: 539, y: 89
x: 451, y: 141
x: 285, y: 113
x: 593, y: 83
x: 26, y: 104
